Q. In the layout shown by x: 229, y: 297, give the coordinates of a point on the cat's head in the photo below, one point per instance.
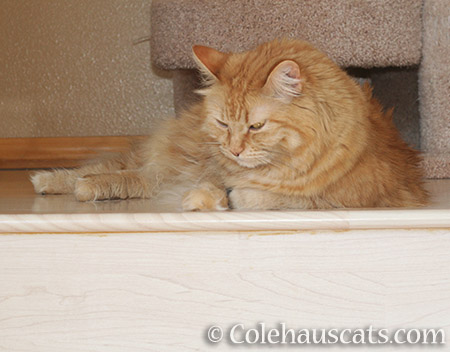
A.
x: 248, y: 99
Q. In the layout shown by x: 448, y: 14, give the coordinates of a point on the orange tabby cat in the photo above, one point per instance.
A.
x: 279, y: 127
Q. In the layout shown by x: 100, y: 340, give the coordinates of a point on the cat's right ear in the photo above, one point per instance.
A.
x: 209, y: 60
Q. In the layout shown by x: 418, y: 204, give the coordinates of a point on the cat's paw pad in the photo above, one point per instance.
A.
x: 86, y: 189
x: 44, y: 182
x: 204, y: 200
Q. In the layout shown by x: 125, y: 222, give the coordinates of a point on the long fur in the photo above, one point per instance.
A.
x: 329, y: 144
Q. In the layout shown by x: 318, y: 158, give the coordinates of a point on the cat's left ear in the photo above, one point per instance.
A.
x: 284, y: 81
x: 209, y: 60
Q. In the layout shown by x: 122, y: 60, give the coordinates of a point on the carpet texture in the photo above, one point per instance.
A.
x: 353, y: 32
x: 434, y: 86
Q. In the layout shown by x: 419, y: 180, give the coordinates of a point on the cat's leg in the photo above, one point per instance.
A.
x: 62, y: 181
x: 205, y: 197
x: 115, y: 185
x: 254, y: 199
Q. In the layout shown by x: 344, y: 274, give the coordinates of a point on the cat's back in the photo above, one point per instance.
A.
x: 390, y: 167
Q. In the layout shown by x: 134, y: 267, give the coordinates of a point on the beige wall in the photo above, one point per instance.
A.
x: 72, y: 68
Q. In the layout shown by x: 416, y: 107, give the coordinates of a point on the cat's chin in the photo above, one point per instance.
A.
x: 248, y: 163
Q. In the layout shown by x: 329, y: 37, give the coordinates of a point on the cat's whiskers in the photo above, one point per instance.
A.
x: 213, y: 155
x: 302, y: 107
x: 279, y: 164
x: 280, y: 153
x: 190, y: 160
x: 270, y: 151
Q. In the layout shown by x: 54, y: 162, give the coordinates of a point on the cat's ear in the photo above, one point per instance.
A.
x: 284, y: 81
x: 209, y: 60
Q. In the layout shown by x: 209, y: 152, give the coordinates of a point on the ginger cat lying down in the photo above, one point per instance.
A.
x: 279, y: 127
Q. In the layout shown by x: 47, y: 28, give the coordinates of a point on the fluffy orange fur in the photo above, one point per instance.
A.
x: 279, y: 127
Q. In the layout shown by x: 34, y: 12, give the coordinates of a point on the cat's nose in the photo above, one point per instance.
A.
x: 236, y: 151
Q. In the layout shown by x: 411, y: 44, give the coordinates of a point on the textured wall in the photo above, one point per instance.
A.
x: 72, y: 68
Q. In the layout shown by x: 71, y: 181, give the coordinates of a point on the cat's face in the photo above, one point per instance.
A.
x: 246, y: 128
x: 249, y: 123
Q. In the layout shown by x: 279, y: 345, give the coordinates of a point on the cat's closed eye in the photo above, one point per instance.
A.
x: 222, y: 124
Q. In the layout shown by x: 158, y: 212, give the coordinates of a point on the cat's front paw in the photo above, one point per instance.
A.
x: 249, y: 199
x: 51, y: 182
x: 87, y: 188
x: 41, y: 181
x: 205, y: 198
x: 241, y: 198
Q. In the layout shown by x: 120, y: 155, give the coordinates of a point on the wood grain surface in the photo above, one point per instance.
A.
x: 17, y: 153
x: 160, y: 292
